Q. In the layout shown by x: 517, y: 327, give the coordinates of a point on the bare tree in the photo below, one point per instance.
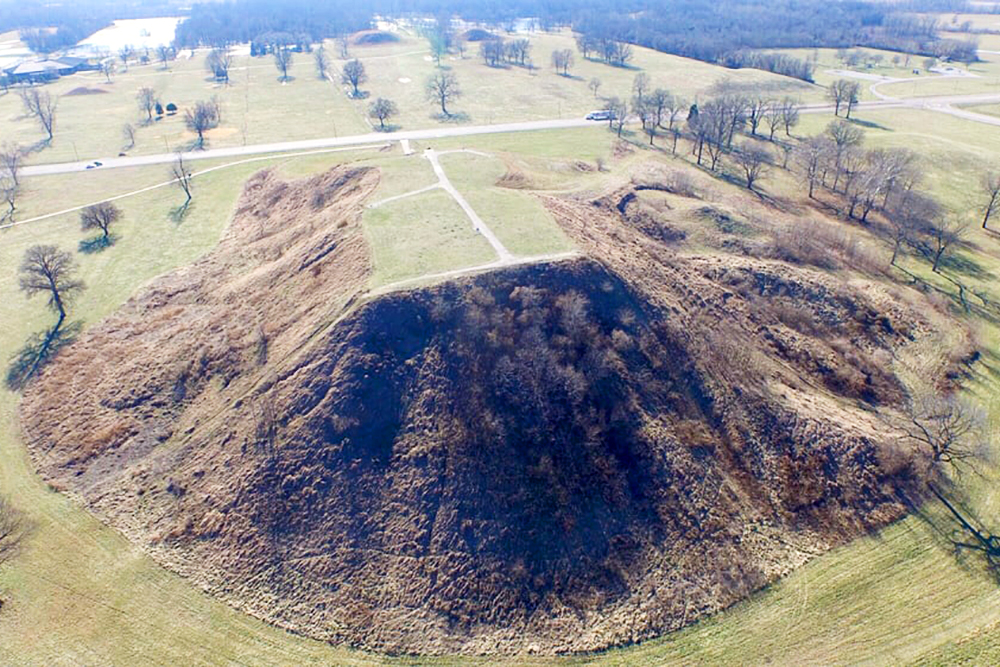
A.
x: 13, y: 530
x: 990, y: 185
x: 283, y: 61
x: 108, y: 69
x: 945, y: 428
x: 145, y: 97
x: 182, y: 177
x: 383, y: 110
x: 845, y: 137
x: 11, y: 156
x: 755, y: 163
x: 48, y: 270
x: 493, y: 51
x: 658, y: 101
x: 810, y: 158
x: 100, y: 216
x: 908, y: 213
x: 9, y: 190
x: 646, y: 111
x: 772, y: 118
x: 125, y: 54
x: 165, y: 53
x: 852, y: 96
x: 40, y: 105
x: 619, y: 114
x: 789, y: 109
x: 758, y: 107
x: 843, y: 92
x: 711, y: 127
x: 354, y: 75
x: 562, y: 60
x: 640, y: 86
x: 322, y: 59
x: 203, y: 117
x: 594, y: 85
x: 218, y: 62
x: 128, y: 133
x: 518, y: 51
x: 945, y: 232
x: 342, y: 48
x: 441, y: 88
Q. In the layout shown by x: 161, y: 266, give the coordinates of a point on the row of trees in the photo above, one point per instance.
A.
x: 610, y: 49
x: 879, y: 180
x: 715, y: 124
x: 497, y: 52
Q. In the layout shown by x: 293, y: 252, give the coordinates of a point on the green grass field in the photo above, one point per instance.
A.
x: 517, y: 218
x: 81, y: 594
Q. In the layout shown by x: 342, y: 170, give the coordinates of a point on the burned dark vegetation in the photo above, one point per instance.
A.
x: 541, y: 458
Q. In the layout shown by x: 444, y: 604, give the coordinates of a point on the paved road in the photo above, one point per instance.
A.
x: 308, y: 144
x: 942, y: 103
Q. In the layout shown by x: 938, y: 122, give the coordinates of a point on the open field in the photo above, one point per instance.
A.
x: 90, y: 124
x: 518, y: 219
x: 493, y: 95
x: 81, y: 594
x: 986, y: 80
x: 258, y: 108
x: 426, y: 233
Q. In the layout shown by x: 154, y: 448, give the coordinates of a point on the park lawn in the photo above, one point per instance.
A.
x: 518, y: 219
x: 988, y: 109
x: 826, y: 60
x: 509, y: 94
x: 986, y: 81
x: 256, y: 108
x: 423, y: 234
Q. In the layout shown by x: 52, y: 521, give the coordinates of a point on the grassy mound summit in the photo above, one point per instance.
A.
x: 549, y: 458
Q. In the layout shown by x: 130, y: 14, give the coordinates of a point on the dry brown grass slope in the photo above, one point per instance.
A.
x: 549, y: 458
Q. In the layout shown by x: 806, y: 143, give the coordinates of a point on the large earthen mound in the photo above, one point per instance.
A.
x: 559, y: 457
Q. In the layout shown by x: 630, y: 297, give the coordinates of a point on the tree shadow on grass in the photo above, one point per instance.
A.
x: 178, y: 214
x: 869, y: 124
x: 96, y: 244
x: 40, y: 349
x: 965, y: 265
x: 457, y: 118
x: 961, y: 531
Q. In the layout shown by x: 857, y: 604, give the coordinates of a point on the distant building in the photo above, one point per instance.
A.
x: 41, y: 71
x: 35, y: 72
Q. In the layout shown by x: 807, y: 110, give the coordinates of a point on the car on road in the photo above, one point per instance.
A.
x: 601, y: 115
x: 94, y: 165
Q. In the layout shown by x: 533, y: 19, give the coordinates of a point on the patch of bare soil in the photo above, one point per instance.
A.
x: 549, y: 458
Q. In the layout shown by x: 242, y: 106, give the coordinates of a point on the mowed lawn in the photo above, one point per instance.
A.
x: 517, y: 218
